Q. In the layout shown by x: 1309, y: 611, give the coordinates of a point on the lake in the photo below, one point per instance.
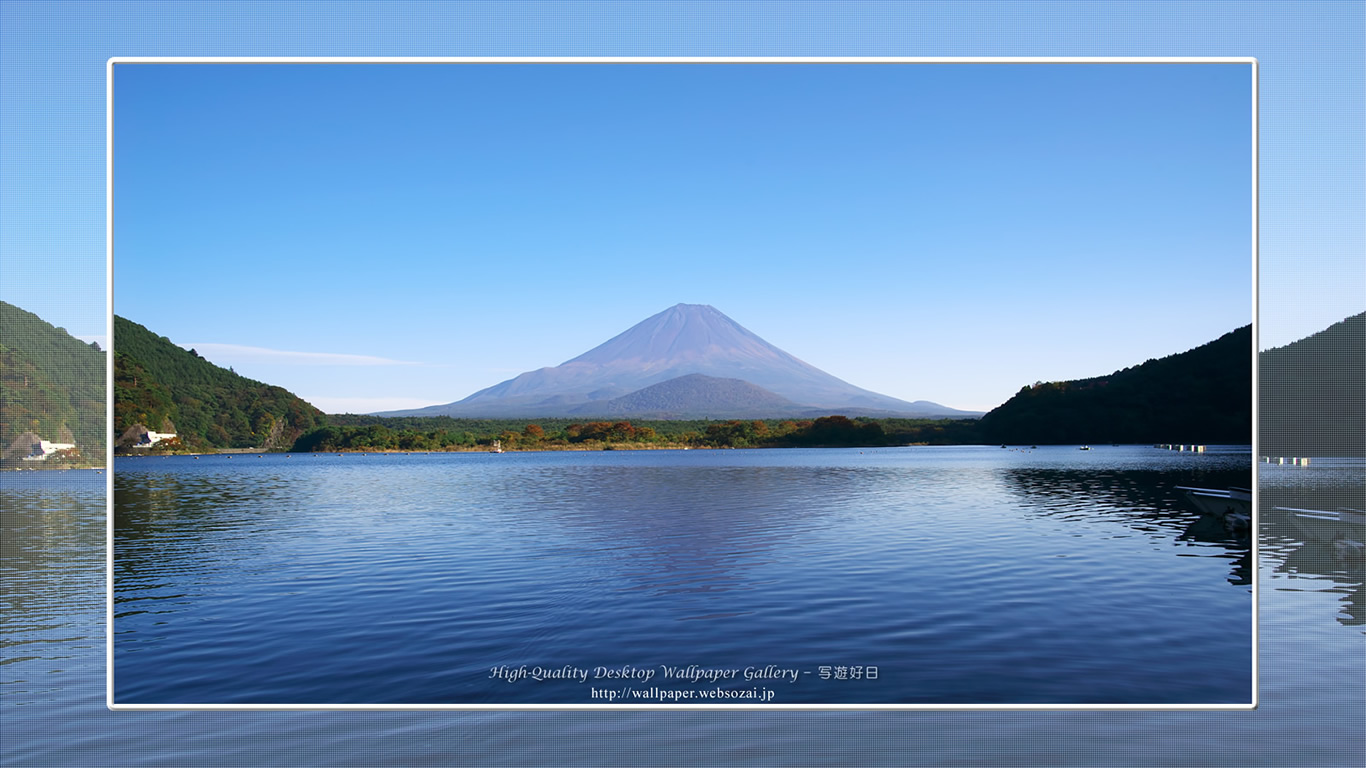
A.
x: 52, y: 676
x: 917, y: 575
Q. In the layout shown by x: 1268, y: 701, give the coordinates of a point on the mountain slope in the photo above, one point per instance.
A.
x: 1313, y: 393
x: 1203, y: 395
x: 695, y: 396
x: 168, y: 389
x: 684, y: 339
x: 51, y: 384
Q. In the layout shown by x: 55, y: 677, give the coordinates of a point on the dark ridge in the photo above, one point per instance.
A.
x: 1313, y: 393
x: 1203, y: 395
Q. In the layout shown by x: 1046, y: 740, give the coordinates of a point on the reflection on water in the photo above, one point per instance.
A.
x: 1145, y: 501
x: 963, y: 575
x: 665, y: 531
x: 52, y: 684
x: 1300, y: 563
x: 51, y: 605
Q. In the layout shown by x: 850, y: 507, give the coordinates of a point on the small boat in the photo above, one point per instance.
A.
x: 497, y: 447
x: 1340, y: 525
x: 1217, y: 502
x: 1084, y: 448
x: 1232, y: 507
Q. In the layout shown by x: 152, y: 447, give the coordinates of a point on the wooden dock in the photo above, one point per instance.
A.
x: 1296, y: 461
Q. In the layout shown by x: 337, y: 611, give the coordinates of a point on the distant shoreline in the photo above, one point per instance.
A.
x: 462, y: 449
x: 53, y: 469
x: 599, y: 447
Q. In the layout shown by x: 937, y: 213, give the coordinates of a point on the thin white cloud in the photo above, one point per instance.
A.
x: 237, y: 353
x: 368, y: 404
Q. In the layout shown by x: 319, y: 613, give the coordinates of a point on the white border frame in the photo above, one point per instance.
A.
x: 851, y: 60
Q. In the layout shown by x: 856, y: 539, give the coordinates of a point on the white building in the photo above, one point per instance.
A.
x: 152, y: 438
x: 43, y: 449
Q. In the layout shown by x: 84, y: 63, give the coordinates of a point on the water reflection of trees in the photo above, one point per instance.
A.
x: 662, y: 530
x: 1146, y: 501
x: 170, y: 524
x: 49, y: 607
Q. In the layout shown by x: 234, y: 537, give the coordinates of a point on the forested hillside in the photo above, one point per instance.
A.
x: 1200, y: 396
x: 51, y: 384
x: 1313, y: 393
x: 168, y: 389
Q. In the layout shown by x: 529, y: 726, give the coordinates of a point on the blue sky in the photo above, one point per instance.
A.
x: 52, y: 202
x: 379, y: 236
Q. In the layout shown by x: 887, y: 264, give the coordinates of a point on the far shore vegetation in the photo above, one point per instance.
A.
x: 376, y: 434
x: 1200, y: 396
x: 51, y: 389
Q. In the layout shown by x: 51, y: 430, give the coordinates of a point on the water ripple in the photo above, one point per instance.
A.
x: 964, y: 575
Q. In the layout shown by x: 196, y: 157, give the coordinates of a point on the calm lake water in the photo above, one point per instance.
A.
x: 964, y: 575
x: 1311, y: 622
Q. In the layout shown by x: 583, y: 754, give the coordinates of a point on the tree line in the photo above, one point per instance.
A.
x: 51, y: 387
x: 1199, y: 396
x: 1203, y: 395
x: 373, y: 433
x: 168, y: 389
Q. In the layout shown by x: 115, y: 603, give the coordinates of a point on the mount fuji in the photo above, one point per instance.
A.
x: 689, y: 361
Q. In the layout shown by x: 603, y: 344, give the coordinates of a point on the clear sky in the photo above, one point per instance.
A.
x: 385, y: 236
x: 52, y: 202
x: 1312, y: 274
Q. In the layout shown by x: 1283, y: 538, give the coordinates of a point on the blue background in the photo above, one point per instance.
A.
x: 52, y: 224
x: 874, y: 221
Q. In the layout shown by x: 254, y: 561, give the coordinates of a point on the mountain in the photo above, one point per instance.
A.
x: 696, y: 396
x: 1313, y: 393
x: 684, y: 339
x: 159, y: 386
x: 51, y: 385
x: 1203, y: 395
